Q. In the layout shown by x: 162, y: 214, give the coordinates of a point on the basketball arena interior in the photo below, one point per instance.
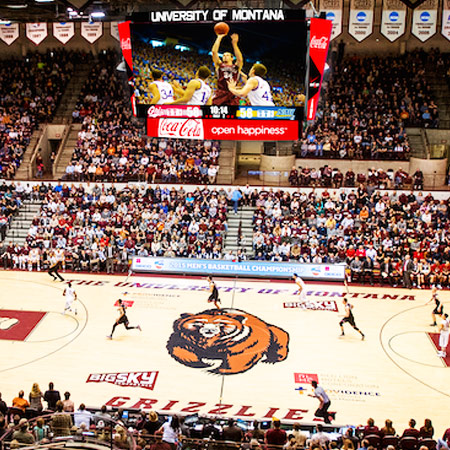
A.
x: 223, y: 224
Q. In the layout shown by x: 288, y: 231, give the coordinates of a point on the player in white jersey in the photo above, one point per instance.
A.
x: 162, y: 91
x: 197, y: 91
x: 256, y: 89
x: 71, y: 296
x: 443, y: 336
x: 301, y: 287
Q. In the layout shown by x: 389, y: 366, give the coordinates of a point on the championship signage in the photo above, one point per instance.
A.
x: 64, y: 31
x: 114, y: 30
x: 424, y: 24
x: 91, y: 31
x: 185, y: 128
x: 9, y: 32
x: 361, y: 19
x: 333, y: 11
x: 393, y: 19
x: 446, y: 19
x: 36, y: 32
x: 319, y: 41
x: 244, y: 268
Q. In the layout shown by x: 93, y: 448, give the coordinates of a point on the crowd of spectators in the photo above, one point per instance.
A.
x: 112, y: 146
x: 367, y: 105
x: 30, y: 90
x: 101, y: 229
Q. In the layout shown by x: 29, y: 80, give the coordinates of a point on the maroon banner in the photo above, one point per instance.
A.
x: 319, y: 41
x: 231, y: 130
x: 125, y: 42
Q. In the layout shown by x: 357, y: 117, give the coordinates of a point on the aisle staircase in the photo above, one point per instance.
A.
x: 240, y: 231
x: 227, y: 162
x: 417, y: 143
x: 441, y: 93
x: 22, y: 171
x: 21, y: 223
x: 66, y: 153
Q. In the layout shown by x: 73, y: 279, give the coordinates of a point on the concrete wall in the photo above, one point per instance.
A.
x: 281, y: 164
x: 434, y: 170
x: 438, y: 136
x: 251, y: 147
x: 356, y: 165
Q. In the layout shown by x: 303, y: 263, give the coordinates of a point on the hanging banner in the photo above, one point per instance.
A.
x: 9, y: 33
x: 64, y: 31
x: 333, y: 11
x: 424, y: 24
x: 446, y: 19
x: 114, y: 30
x: 319, y: 41
x: 91, y: 31
x: 125, y: 43
x: 393, y: 19
x: 36, y: 32
x: 361, y: 19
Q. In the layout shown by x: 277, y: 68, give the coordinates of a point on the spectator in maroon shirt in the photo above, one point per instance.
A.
x: 276, y: 436
x: 412, y: 431
x: 371, y: 428
x: 427, y: 430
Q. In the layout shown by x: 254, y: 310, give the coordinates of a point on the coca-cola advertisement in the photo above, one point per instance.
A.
x: 222, y: 129
x: 319, y: 41
x: 125, y: 42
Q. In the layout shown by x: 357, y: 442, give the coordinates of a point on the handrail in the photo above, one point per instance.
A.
x: 62, y: 144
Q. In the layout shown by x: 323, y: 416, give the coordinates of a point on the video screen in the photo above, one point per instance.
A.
x: 220, y: 62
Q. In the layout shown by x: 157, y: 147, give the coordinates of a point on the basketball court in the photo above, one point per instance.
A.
x: 255, y: 359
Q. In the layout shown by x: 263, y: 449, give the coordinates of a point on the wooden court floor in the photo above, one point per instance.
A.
x: 253, y: 359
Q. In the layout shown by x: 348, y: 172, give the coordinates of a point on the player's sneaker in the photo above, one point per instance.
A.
x: 363, y: 336
x: 139, y: 328
x: 109, y: 337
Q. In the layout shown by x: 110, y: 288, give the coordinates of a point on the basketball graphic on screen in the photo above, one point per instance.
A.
x: 221, y: 28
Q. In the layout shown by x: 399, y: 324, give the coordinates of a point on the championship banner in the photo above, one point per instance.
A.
x: 333, y: 11
x: 36, y: 32
x: 446, y: 19
x: 91, y: 31
x: 9, y: 33
x: 125, y: 42
x: 319, y: 41
x: 64, y: 31
x: 424, y: 22
x: 393, y: 19
x: 223, y: 129
x: 361, y: 19
x: 114, y: 30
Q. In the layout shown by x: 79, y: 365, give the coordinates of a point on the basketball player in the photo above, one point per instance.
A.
x: 256, y: 88
x: 55, y: 265
x: 348, y: 317
x: 197, y: 91
x: 301, y: 287
x: 122, y: 319
x: 214, y: 297
x: 443, y: 336
x: 226, y: 69
x: 162, y: 91
x: 438, y: 308
x: 70, y: 295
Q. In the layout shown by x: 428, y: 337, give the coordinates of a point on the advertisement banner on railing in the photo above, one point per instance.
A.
x: 64, y: 31
x: 333, y: 11
x: 125, y: 42
x: 424, y: 22
x: 91, y: 31
x: 244, y: 268
x: 36, y: 32
x: 446, y: 19
x: 361, y: 19
x: 9, y: 32
x: 393, y: 19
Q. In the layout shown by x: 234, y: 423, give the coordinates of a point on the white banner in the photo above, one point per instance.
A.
x: 114, y: 30
x: 36, y: 32
x: 446, y: 19
x: 91, y: 31
x: 361, y: 19
x: 424, y: 24
x: 393, y: 19
x: 333, y: 10
x: 64, y: 31
x: 9, y: 33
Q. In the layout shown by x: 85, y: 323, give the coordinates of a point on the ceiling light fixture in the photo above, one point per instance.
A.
x: 97, y: 15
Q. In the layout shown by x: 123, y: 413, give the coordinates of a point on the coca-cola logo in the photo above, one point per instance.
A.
x: 174, y: 111
x: 181, y: 128
x: 319, y: 43
x: 125, y: 44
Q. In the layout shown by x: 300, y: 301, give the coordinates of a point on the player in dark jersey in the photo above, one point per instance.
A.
x: 438, y: 308
x: 349, y: 318
x: 214, y: 297
x: 226, y: 70
x: 123, y: 319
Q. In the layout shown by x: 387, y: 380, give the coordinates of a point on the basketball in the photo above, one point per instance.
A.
x: 221, y: 28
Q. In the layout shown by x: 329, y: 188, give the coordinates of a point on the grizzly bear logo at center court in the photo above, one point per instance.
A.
x: 226, y: 341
